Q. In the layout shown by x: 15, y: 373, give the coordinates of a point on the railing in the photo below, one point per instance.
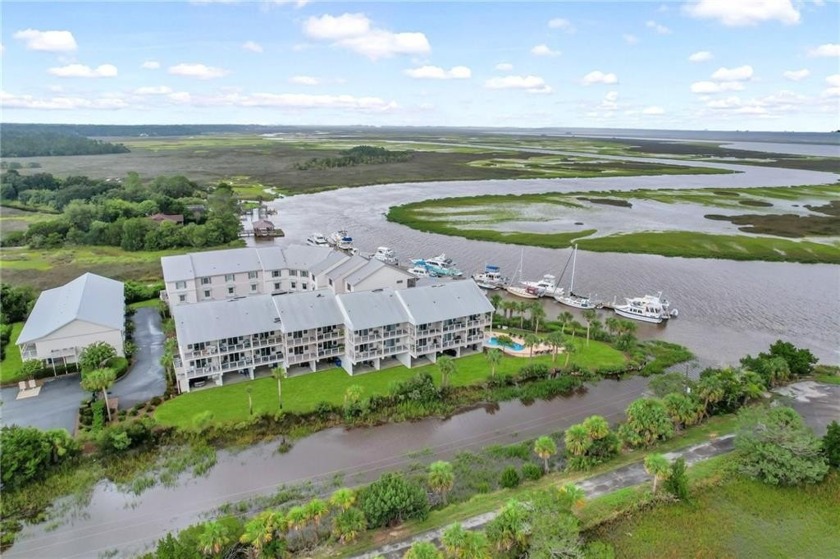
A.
x: 377, y: 335
x: 303, y: 340
x: 235, y: 347
x: 260, y: 359
x: 62, y: 352
x: 394, y: 333
x: 335, y: 334
x: 200, y: 372
x: 454, y: 326
x: 428, y: 332
x: 330, y: 352
x: 163, y: 295
x: 477, y: 322
x: 29, y: 354
x: 292, y: 358
x: 390, y: 350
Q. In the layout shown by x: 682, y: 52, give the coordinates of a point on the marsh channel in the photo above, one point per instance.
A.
x: 726, y: 310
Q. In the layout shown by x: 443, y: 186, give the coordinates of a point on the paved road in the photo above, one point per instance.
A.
x: 57, y: 404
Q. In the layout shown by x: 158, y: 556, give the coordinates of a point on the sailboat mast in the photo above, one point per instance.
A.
x: 574, y: 259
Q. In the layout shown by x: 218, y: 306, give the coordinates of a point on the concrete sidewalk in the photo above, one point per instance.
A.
x: 625, y: 476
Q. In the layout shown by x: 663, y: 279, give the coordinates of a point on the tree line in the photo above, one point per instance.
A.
x: 34, y: 143
x: 359, y: 155
x: 115, y: 212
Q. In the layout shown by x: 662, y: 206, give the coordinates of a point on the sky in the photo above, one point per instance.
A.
x: 701, y: 64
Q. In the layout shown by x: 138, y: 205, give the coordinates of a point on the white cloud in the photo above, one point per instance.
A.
x: 739, y: 74
x: 797, y: 75
x: 562, y: 24
x: 544, y: 50
x: 11, y: 101
x: 150, y: 65
x: 653, y: 111
x: 355, y: 32
x: 82, y: 71
x: 153, y: 90
x: 826, y: 50
x: 252, y: 46
x: 598, y: 76
x: 181, y: 97
x: 532, y: 84
x: 630, y: 39
x: 438, y: 73
x: 737, y: 13
x: 610, y: 101
x: 701, y: 56
x: 658, y: 27
x: 305, y: 101
x: 199, y: 71
x: 50, y: 41
x: 304, y: 80
x: 715, y: 87
x: 2, y: 49
x: 504, y: 67
x: 833, y: 82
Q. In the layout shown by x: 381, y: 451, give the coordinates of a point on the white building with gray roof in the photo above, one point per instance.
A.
x: 360, y: 331
x: 67, y: 319
x: 243, y: 272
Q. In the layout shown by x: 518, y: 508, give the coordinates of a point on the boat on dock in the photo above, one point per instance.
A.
x: 546, y: 287
x: 421, y: 272
x: 649, y: 308
x: 439, y: 265
x: 386, y: 255
x: 491, y: 278
x: 572, y: 299
x: 318, y: 240
x: 341, y: 240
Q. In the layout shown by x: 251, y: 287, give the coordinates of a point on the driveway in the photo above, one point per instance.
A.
x: 57, y: 404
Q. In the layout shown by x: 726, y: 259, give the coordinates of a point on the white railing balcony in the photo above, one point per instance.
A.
x: 233, y: 365
x: 367, y: 337
x: 293, y: 358
x: 454, y: 326
x: 163, y: 295
x: 369, y: 354
x: 394, y: 349
x: 303, y: 340
x: 394, y: 333
x: 428, y: 332
x: 418, y: 349
x: 334, y: 335
x: 29, y: 354
x: 330, y: 352
x: 260, y: 359
x: 201, y: 372
x: 475, y: 323
x: 265, y: 342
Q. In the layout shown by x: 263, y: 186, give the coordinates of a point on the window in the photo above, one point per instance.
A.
x: 331, y: 283
x: 180, y: 285
x: 275, y: 273
x: 303, y: 286
x: 349, y: 287
x: 293, y: 272
x: 304, y: 274
x: 294, y: 285
x: 230, y: 290
x: 206, y: 293
x: 399, y: 281
x: 252, y: 275
x: 230, y: 277
x: 182, y: 298
x: 205, y: 281
x: 277, y: 286
x: 253, y: 288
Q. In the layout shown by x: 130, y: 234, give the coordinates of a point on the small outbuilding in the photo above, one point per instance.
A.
x: 67, y: 319
x: 174, y: 218
x: 263, y: 228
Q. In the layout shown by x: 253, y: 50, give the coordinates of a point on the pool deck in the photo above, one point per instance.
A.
x: 541, y: 349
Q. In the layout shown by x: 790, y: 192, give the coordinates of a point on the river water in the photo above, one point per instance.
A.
x: 726, y: 308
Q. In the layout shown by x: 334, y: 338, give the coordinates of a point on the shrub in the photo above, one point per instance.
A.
x: 831, y: 444
x: 531, y: 471
x: 392, y: 499
x: 510, y: 478
x: 156, y: 401
x: 419, y: 388
x: 28, y: 453
x: 676, y: 483
x: 533, y: 371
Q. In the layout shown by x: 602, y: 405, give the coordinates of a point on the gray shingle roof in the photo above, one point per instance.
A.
x: 369, y: 309
x: 444, y: 302
x: 231, y: 261
x: 303, y: 257
x: 177, y: 268
x: 89, y: 298
x: 371, y: 268
x: 333, y: 259
x: 340, y: 272
x: 217, y: 320
x: 305, y: 310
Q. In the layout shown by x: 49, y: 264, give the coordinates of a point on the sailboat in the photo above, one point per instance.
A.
x: 573, y: 300
x: 534, y: 289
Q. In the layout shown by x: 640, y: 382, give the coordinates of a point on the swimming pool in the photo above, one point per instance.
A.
x: 493, y: 342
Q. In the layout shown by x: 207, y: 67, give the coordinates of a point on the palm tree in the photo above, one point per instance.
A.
x: 261, y: 533
x: 545, y: 448
x: 453, y: 539
x: 494, y: 357
x: 657, y: 466
x: 511, y: 527
x: 422, y: 550
x: 537, y: 314
x: 778, y: 370
x: 446, y: 366
x: 441, y: 478
x: 681, y: 408
x: 343, y: 498
x: 577, y: 440
x: 711, y: 391
x: 569, y: 348
x: 100, y: 379
x: 555, y: 340
x: 248, y: 390
x: 507, y: 308
x: 315, y: 511
x: 348, y: 524
x: 752, y: 385
x: 612, y: 325
x: 296, y: 517
x: 588, y: 315
x: 573, y: 495
x: 215, y: 537
x: 596, y: 427
x: 353, y: 395
x: 496, y: 301
x: 564, y: 318
x: 531, y: 341
x: 476, y: 546
x: 522, y: 308
x: 279, y: 373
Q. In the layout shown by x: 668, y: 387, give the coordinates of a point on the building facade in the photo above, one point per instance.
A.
x: 359, y: 331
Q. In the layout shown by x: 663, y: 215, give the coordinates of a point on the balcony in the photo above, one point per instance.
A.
x: 355, y: 338
x: 265, y: 342
x: 227, y: 348
x: 394, y: 349
x: 326, y: 336
x: 262, y: 359
x: 477, y: 323
x: 428, y: 332
x: 394, y: 333
x: 200, y: 372
x: 454, y: 326
x: 330, y: 352
x: 418, y: 349
x: 303, y: 340
x: 295, y: 358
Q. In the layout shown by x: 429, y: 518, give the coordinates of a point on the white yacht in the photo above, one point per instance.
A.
x: 439, y: 265
x: 318, y: 240
x: 421, y: 272
x: 341, y: 240
x: 650, y: 308
x: 490, y: 278
x: 546, y: 287
x: 571, y: 299
x: 386, y: 255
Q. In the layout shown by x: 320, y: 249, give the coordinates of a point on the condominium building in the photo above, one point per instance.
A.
x: 244, y: 272
x: 359, y: 331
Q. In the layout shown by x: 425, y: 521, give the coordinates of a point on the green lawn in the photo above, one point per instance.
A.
x: 302, y: 393
x: 737, y: 518
x: 10, y: 366
x: 155, y: 302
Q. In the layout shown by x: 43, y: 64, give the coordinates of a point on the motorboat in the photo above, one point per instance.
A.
x: 571, y: 299
x: 490, y: 278
x: 524, y: 292
x: 421, y: 272
x: 439, y: 265
x: 318, y: 240
x: 547, y: 286
x: 341, y: 240
x: 650, y: 308
x: 386, y: 255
